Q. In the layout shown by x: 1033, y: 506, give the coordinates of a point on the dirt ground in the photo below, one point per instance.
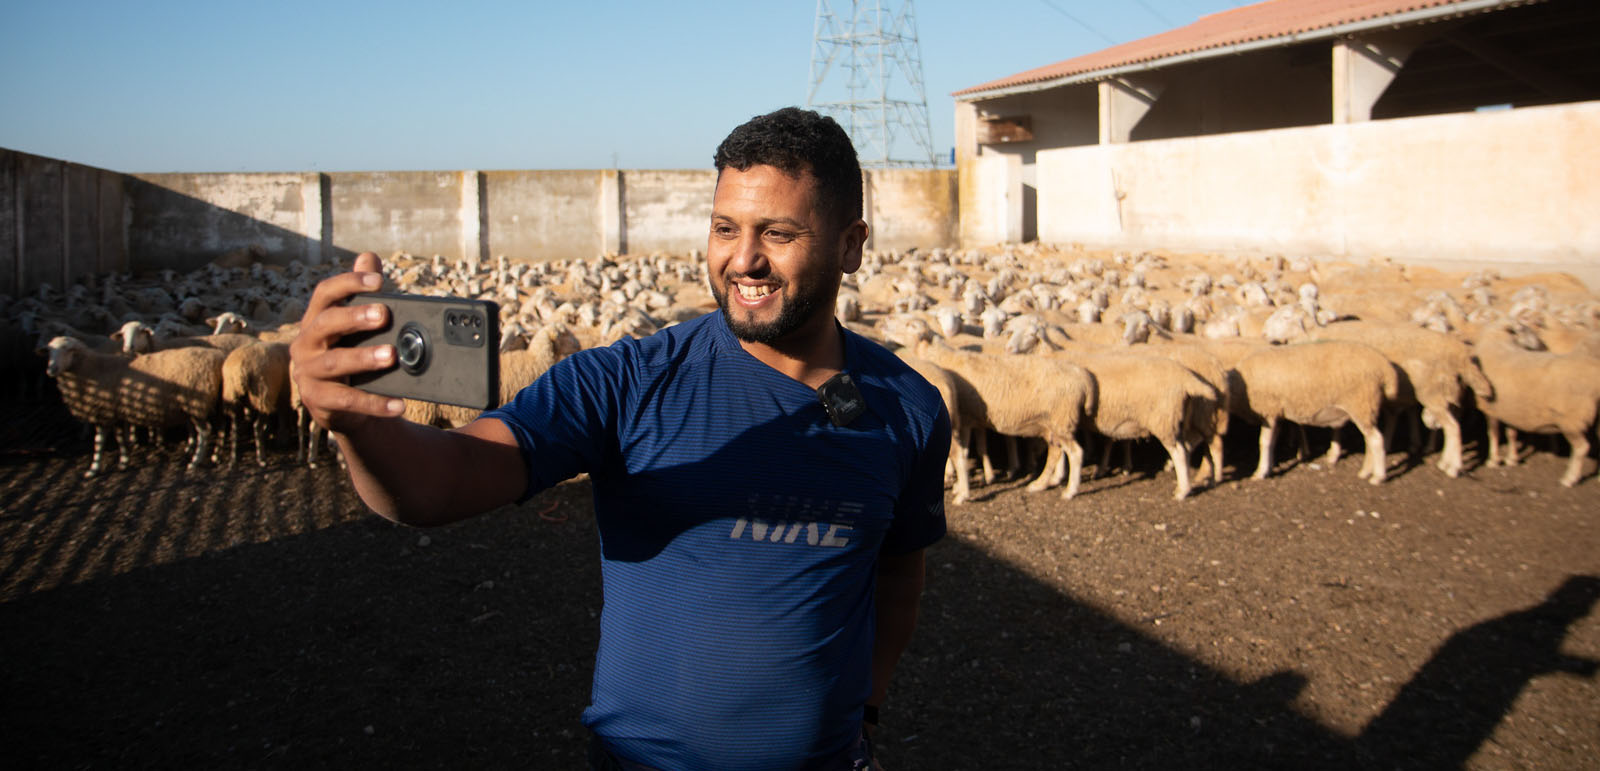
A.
x: 260, y: 618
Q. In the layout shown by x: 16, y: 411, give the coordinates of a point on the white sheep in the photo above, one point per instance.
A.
x: 1139, y: 396
x: 156, y: 390
x: 1325, y: 383
x: 949, y: 387
x: 1434, y: 367
x: 1538, y: 392
x: 255, y: 386
x: 140, y: 338
x: 1016, y: 396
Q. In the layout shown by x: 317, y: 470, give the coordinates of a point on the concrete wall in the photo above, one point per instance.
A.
x: 1515, y: 190
x: 61, y: 221
x: 182, y: 221
x: 667, y: 211
x: 389, y: 211
x: 911, y: 208
x: 58, y: 221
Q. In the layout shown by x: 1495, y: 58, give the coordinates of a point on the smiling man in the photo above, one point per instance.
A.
x: 765, y: 481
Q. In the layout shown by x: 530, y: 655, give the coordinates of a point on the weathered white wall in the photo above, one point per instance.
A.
x: 910, y: 208
x: 667, y: 211
x: 991, y: 196
x: 1518, y: 190
x: 544, y: 215
x: 182, y: 220
x: 61, y: 221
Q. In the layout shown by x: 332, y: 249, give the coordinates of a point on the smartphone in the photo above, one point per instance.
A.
x: 447, y: 349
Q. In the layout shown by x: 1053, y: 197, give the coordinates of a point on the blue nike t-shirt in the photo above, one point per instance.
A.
x: 739, y: 531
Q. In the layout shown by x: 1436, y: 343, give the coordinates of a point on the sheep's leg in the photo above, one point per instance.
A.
x: 1061, y: 464
x: 1216, y: 458
x: 1052, y: 459
x: 261, y: 439
x: 958, y: 458
x: 982, y: 440
x: 1450, y: 458
x: 1269, y: 431
x: 1104, y: 468
x: 97, y: 462
x: 1127, y: 457
x: 1074, y: 467
x: 1513, y: 450
x: 1580, y: 454
x: 1335, y: 449
x: 1180, y: 461
x: 300, y: 449
x: 233, y: 440
x: 1201, y: 449
x: 1013, y: 456
x: 124, y: 444
x: 1377, y: 462
x: 202, y: 431
x: 1305, y: 442
x: 314, y: 444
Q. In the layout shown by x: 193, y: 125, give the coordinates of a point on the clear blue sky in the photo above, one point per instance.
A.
x: 343, y: 86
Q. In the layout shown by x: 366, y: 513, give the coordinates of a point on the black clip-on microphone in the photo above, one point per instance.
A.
x: 841, y: 399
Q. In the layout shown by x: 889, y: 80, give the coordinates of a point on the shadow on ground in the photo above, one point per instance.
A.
x: 160, y: 618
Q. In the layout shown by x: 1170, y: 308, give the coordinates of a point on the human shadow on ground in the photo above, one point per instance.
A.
x: 336, y: 639
x: 1453, y: 703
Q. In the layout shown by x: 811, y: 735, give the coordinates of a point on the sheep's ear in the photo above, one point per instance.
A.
x: 212, y: 322
x: 117, y: 336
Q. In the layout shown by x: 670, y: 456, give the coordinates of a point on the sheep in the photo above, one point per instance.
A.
x: 949, y: 388
x: 155, y: 390
x: 1434, y: 367
x: 136, y: 337
x: 1207, y: 434
x: 1538, y: 392
x: 1323, y: 383
x: 255, y: 385
x: 1017, y: 396
x: 228, y: 322
x: 1140, y: 396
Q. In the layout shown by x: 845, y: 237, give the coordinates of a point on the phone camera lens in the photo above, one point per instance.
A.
x: 412, y: 349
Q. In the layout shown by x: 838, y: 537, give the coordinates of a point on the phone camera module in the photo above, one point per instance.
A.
x: 411, y: 347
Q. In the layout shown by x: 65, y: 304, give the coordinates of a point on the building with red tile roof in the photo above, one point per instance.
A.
x: 1354, y: 128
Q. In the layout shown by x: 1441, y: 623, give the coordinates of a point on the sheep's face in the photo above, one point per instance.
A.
x: 135, y: 337
x: 227, y: 322
x: 63, y: 353
x: 773, y: 260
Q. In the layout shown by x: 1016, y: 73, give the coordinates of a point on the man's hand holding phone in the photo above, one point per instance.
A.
x: 321, y: 366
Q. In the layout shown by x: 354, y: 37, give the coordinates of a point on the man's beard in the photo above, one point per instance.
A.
x: 796, y: 311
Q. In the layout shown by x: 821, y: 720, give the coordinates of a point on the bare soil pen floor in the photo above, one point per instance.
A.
x: 260, y: 618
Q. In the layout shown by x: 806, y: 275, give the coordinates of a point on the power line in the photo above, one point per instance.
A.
x: 1080, y: 22
x: 1156, y: 13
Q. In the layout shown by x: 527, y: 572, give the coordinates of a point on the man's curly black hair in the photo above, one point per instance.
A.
x: 796, y: 141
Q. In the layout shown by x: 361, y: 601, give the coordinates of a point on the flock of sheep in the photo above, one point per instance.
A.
x: 1065, y: 348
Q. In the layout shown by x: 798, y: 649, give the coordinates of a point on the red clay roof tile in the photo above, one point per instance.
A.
x: 1262, y: 21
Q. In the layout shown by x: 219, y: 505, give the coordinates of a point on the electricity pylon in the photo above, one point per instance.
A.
x: 882, y: 104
